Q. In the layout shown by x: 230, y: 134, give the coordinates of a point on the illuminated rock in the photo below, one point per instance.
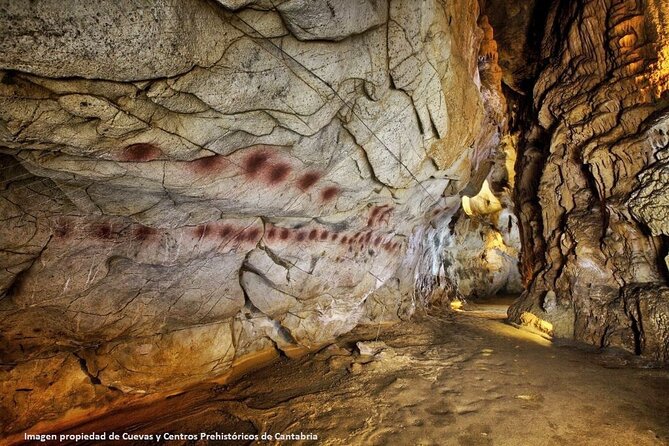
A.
x: 257, y: 180
x: 597, y: 155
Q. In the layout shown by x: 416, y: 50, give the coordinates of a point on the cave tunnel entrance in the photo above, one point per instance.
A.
x: 231, y: 223
x: 489, y: 307
x: 483, y: 258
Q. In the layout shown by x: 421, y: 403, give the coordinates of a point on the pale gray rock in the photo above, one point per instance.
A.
x: 265, y: 24
x: 110, y: 40
x: 332, y: 20
x: 370, y: 348
x: 236, y: 4
x: 389, y: 133
x: 203, y: 180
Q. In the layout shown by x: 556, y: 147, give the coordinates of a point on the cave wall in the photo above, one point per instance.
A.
x: 472, y: 251
x: 591, y: 194
x: 186, y: 182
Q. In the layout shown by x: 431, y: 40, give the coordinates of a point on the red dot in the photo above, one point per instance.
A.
x: 225, y: 231
x: 61, y: 229
x: 143, y: 232
x: 329, y: 193
x: 208, y: 164
x: 255, y: 162
x: 278, y: 173
x: 203, y: 231
x: 308, y: 179
x: 252, y: 234
x: 313, y: 234
x: 141, y: 152
x: 104, y: 231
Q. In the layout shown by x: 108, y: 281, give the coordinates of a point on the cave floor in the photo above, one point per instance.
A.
x: 448, y: 379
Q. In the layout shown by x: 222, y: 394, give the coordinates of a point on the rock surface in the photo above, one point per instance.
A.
x: 450, y: 380
x: 592, y: 190
x: 185, y: 183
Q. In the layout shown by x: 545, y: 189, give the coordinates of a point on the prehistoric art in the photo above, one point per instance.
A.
x: 334, y: 222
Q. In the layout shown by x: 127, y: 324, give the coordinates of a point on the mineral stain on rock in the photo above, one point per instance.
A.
x: 219, y: 181
x: 307, y: 180
x: 141, y: 152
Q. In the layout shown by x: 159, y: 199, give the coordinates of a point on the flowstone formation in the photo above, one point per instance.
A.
x: 472, y: 250
x: 187, y: 182
x: 592, y: 189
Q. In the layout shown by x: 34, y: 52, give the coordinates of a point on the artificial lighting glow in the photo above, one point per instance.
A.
x: 456, y: 305
x: 659, y: 77
x: 494, y: 240
x: 483, y: 203
x: 532, y: 321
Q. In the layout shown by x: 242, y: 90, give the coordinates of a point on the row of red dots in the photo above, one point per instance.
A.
x: 259, y: 164
x: 314, y: 235
x: 218, y: 231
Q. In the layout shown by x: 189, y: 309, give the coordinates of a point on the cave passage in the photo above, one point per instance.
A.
x: 448, y: 378
x: 489, y: 307
x: 337, y: 222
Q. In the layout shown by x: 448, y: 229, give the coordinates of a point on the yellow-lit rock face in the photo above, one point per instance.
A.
x: 180, y: 192
x: 530, y: 320
x: 484, y: 243
x: 483, y: 203
x: 591, y: 179
x: 659, y: 13
x: 509, y: 142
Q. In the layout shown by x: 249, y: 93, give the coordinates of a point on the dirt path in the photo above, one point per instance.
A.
x: 441, y: 380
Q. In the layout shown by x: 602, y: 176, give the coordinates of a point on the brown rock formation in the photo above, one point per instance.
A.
x: 589, y: 173
x: 185, y: 183
x: 261, y: 179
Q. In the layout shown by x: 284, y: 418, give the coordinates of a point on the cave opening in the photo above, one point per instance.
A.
x: 334, y: 222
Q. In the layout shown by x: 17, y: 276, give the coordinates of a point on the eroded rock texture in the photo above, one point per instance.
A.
x: 472, y: 249
x: 187, y: 182
x: 592, y: 177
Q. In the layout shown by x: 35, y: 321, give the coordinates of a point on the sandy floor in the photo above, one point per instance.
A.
x: 452, y: 379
